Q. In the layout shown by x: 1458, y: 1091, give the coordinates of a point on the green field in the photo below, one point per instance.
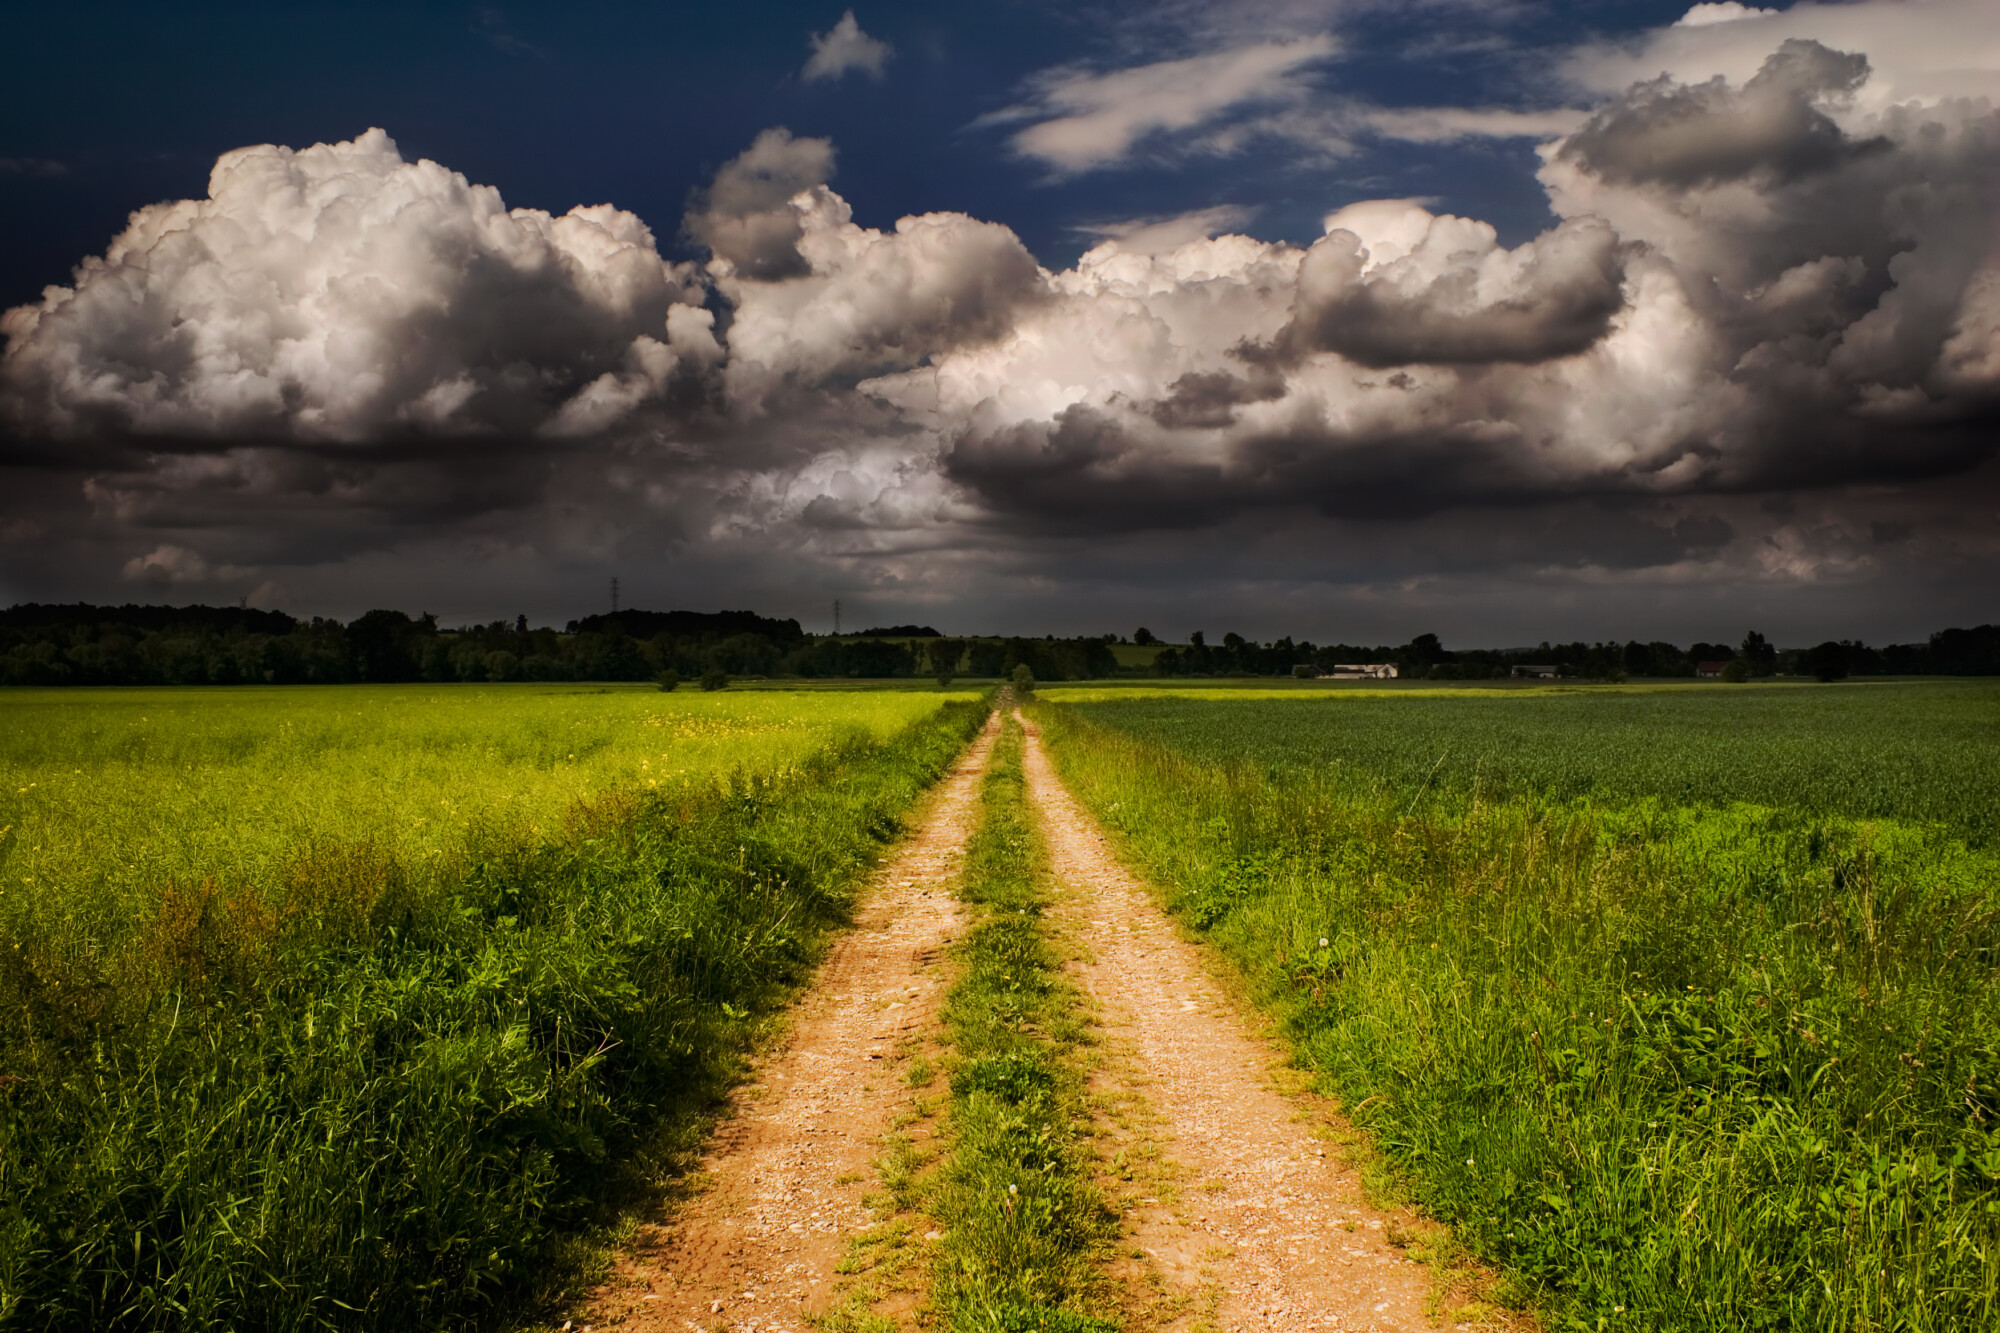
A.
x: 355, y: 1005
x: 1926, y: 750
x: 1680, y: 1004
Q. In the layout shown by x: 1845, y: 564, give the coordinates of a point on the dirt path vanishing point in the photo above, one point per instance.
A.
x: 757, y: 1249
x: 1244, y: 1221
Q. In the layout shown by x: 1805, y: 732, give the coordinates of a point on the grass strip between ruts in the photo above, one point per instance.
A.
x: 1024, y: 1225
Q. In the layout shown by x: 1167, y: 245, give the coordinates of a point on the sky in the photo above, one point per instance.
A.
x: 1343, y: 319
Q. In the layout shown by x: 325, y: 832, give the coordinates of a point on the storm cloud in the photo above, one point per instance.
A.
x: 1752, y: 284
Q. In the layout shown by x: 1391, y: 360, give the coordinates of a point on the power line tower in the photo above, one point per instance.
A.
x: 836, y: 617
x: 614, y: 594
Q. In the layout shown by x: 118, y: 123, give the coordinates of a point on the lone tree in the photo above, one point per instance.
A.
x: 715, y: 678
x: 1143, y: 637
x: 1024, y: 681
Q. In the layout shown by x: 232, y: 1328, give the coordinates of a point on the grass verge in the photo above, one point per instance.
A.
x: 382, y: 1096
x: 1024, y: 1226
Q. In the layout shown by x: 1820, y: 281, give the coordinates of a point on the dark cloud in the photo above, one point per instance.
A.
x: 1774, y: 126
x: 745, y: 216
x: 1462, y: 300
x: 1210, y: 399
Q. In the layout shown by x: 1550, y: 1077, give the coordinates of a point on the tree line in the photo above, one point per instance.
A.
x: 81, y: 644
x: 1950, y: 652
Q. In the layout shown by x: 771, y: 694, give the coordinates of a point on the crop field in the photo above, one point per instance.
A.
x: 1927, y: 751
x: 353, y: 1005
x: 1681, y: 1005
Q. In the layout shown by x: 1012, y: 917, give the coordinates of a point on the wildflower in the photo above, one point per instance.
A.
x: 1013, y: 1189
x: 1322, y: 941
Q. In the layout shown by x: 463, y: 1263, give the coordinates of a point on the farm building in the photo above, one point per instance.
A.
x: 1546, y: 671
x: 1362, y: 671
x: 1710, y: 670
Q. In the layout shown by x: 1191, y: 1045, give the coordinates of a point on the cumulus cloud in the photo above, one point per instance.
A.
x: 845, y: 47
x: 1396, y: 286
x: 1923, y: 50
x: 746, y: 217
x: 1084, y: 119
x: 339, y: 294
x: 1775, y: 125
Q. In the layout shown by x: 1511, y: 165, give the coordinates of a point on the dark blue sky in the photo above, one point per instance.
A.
x: 107, y: 107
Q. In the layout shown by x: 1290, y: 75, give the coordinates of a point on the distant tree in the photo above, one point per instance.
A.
x: 1737, y: 671
x: 1024, y: 681
x: 1197, y: 640
x: 715, y: 678
x: 1233, y: 640
x: 668, y: 680
x: 1759, y: 657
x: 944, y: 655
x: 382, y: 645
x: 944, y: 679
x: 1304, y: 671
x: 1144, y: 637
x: 1827, y: 662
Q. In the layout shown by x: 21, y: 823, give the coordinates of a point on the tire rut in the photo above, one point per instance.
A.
x: 788, y: 1173
x: 1238, y: 1218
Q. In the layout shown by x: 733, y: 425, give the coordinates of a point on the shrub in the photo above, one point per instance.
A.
x: 715, y: 678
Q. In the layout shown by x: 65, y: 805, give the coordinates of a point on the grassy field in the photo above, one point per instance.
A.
x: 353, y: 1006
x: 1669, y: 1000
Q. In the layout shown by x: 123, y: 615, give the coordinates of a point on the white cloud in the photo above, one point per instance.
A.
x: 1085, y: 120
x: 341, y: 294
x: 1729, y: 11
x: 1151, y: 236
x: 1447, y: 124
x: 845, y: 47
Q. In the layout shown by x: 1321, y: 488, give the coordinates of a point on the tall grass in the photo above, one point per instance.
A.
x: 1679, y: 1067
x: 380, y: 1083
x: 1023, y: 1222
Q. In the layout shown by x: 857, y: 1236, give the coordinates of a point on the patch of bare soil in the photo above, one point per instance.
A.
x: 788, y: 1173
x: 1236, y: 1216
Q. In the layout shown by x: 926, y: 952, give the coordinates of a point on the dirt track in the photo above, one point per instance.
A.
x: 1238, y: 1214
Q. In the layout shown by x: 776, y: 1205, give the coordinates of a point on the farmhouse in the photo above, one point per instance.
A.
x: 1545, y: 671
x: 1710, y: 670
x: 1362, y: 671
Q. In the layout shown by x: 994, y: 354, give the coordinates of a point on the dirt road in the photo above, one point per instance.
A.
x: 757, y: 1249
x: 1239, y: 1216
